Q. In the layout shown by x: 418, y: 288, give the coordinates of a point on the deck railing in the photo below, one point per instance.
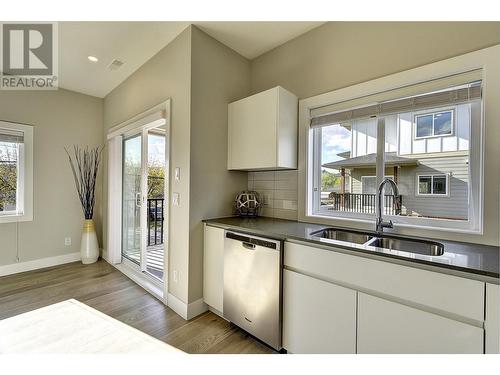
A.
x: 364, y: 203
x: 155, y: 221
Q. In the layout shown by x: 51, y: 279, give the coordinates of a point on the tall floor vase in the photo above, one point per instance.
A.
x: 89, y: 250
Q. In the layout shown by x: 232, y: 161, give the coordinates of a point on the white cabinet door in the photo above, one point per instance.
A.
x: 389, y: 327
x: 455, y: 295
x: 318, y: 317
x: 262, y: 131
x: 492, y: 323
x: 213, y: 267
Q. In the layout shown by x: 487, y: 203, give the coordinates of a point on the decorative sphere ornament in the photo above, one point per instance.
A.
x: 247, y: 203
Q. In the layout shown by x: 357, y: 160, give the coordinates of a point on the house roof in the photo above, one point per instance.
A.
x: 391, y: 159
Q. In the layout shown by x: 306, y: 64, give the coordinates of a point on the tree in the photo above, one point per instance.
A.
x: 328, y: 180
x: 8, y: 174
x: 156, y: 181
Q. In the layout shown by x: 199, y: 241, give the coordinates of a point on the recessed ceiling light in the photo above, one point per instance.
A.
x: 93, y: 58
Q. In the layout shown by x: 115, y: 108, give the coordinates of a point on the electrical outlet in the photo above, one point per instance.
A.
x: 266, y: 197
x: 176, y: 276
x: 67, y: 241
x: 289, y: 205
x: 176, y: 199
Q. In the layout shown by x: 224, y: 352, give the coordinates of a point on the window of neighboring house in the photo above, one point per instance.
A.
x: 16, y: 172
x: 369, y: 184
x: 434, y: 124
x: 345, y: 145
x: 433, y: 185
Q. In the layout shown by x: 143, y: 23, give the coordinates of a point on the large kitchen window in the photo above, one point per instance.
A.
x: 426, y: 138
x: 16, y: 172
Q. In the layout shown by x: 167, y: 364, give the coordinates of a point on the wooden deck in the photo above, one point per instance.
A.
x: 104, y: 288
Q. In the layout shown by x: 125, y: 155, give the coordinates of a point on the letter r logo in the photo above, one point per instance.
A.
x: 27, y: 49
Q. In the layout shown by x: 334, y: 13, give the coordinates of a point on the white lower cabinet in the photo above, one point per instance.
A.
x: 213, y: 267
x: 389, y: 327
x: 492, y: 323
x: 318, y: 317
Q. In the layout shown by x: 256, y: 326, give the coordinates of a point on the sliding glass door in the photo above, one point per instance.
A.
x: 132, y: 237
x: 143, y: 197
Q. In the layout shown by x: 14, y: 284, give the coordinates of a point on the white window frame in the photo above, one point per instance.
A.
x: 432, y: 175
x: 433, y: 113
x: 486, y: 61
x: 24, y: 198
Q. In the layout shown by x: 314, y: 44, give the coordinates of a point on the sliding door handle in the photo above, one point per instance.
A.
x: 138, y: 200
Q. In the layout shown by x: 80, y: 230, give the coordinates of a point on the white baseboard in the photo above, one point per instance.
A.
x: 36, y: 264
x: 186, y: 311
x: 196, y: 308
x: 177, y: 305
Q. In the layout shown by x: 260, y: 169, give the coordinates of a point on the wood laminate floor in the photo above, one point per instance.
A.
x: 104, y: 288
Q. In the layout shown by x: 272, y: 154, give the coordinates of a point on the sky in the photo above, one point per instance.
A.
x: 156, y: 149
x: 335, y: 139
x: 7, y: 148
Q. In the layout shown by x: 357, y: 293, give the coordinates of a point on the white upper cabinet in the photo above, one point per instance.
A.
x: 262, y: 131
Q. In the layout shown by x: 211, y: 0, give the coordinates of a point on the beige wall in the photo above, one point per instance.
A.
x: 340, y: 54
x: 219, y: 76
x: 61, y: 119
x: 201, y: 76
x: 166, y: 75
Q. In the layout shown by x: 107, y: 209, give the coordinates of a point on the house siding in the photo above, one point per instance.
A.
x: 453, y: 206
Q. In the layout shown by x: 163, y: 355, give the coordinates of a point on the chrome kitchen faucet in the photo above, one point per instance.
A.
x: 380, y: 224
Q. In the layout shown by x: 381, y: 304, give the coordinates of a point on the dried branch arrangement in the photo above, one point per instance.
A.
x: 85, y: 164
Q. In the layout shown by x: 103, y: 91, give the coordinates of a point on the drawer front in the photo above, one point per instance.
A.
x: 450, y: 294
x: 386, y: 327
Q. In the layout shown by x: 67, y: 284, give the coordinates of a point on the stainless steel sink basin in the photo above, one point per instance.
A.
x: 341, y: 235
x: 423, y: 247
x: 429, y: 248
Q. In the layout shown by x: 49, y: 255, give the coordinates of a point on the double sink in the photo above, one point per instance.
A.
x: 423, y: 247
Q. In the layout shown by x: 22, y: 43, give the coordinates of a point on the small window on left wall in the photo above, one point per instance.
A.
x: 16, y: 172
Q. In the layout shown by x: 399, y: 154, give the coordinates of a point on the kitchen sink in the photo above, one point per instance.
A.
x: 429, y: 248
x: 342, y: 235
x: 423, y: 247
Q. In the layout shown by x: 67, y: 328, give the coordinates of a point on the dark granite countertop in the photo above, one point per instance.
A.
x: 478, y: 261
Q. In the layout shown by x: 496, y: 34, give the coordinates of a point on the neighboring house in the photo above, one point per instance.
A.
x: 427, y: 154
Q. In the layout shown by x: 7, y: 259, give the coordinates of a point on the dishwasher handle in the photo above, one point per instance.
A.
x: 248, y: 245
x: 251, y: 242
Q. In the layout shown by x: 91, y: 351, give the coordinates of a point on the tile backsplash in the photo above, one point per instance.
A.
x: 278, y: 191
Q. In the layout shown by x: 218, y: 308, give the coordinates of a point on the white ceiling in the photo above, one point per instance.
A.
x: 134, y: 43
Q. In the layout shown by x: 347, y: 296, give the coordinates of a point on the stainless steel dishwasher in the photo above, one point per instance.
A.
x: 252, y: 285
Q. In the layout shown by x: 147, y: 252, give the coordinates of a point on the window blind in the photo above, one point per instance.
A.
x: 11, y: 136
x: 460, y: 88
